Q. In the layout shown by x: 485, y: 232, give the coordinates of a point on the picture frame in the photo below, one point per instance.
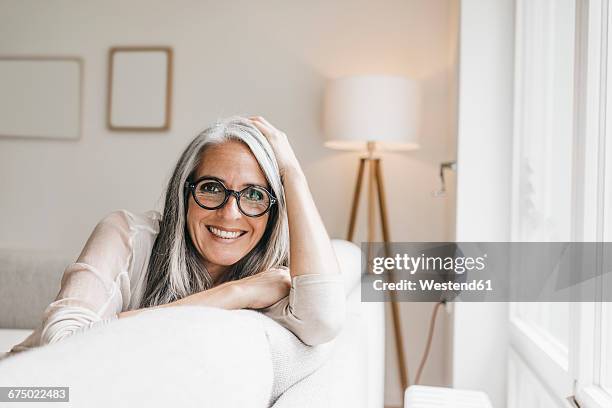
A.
x: 139, y: 94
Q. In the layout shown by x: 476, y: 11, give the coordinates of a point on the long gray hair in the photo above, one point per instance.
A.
x: 175, y: 269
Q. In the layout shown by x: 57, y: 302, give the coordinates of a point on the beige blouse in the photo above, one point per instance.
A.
x: 109, y: 277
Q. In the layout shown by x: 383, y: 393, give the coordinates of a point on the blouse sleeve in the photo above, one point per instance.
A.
x: 96, y: 287
x: 315, y: 308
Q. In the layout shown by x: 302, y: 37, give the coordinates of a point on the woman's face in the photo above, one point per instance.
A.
x: 234, y: 164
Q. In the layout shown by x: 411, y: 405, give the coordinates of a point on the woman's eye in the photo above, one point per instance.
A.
x: 210, y: 188
x: 254, y: 194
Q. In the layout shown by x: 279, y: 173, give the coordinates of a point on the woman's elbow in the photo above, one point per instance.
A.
x: 318, y: 307
x: 65, y: 322
x: 324, y: 328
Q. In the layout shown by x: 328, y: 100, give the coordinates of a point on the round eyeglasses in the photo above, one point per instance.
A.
x: 210, y: 194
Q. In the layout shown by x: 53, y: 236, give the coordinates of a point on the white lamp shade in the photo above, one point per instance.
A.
x: 372, y: 108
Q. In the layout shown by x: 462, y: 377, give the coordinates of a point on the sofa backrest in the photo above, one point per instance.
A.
x: 29, y: 281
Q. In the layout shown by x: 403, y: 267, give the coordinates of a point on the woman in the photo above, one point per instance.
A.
x: 236, y: 206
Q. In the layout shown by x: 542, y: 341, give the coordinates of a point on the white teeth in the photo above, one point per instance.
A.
x: 224, y: 234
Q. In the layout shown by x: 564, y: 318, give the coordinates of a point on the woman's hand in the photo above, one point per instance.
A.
x: 253, y: 292
x: 265, y: 288
x: 280, y: 144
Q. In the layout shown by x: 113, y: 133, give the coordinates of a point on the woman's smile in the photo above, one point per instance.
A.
x: 225, y: 234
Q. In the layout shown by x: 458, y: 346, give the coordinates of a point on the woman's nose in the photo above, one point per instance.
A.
x: 230, y: 210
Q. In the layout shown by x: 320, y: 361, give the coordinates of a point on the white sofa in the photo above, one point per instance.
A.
x: 132, y: 362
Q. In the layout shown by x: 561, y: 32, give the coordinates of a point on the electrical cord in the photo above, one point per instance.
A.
x: 429, y: 339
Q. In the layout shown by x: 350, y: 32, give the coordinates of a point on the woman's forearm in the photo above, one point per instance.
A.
x: 310, y: 246
x: 225, y: 296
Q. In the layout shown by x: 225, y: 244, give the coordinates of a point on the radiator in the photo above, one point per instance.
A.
x: 420, y: 396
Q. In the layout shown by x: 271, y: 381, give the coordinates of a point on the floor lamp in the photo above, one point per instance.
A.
x: 373, y: 113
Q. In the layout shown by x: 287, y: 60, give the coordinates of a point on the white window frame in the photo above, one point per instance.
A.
x: 577, y: 370
x: 594, y: 110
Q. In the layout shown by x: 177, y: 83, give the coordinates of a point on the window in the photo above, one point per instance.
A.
x: 543, y: 191
x: 562, y: 192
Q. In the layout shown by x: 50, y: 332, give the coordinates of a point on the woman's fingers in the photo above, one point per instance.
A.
x: 261, y: 122
x: 280, y: 271
x: 265, y: 128
x: 257, y: 118
x: 275, y: 285
x: 264, y: 121
x: 282, y: 275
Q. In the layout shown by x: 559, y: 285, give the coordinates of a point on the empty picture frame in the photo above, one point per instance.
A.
x: 139, y: 88
x: 40, y: 97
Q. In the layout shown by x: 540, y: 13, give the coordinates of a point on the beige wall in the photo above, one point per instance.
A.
x: 266, y: 57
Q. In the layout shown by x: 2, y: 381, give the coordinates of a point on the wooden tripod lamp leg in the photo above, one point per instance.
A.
x: 371, y: 204
x: 355, y: 206
x: 399, y: 343
x: 375, y: 179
